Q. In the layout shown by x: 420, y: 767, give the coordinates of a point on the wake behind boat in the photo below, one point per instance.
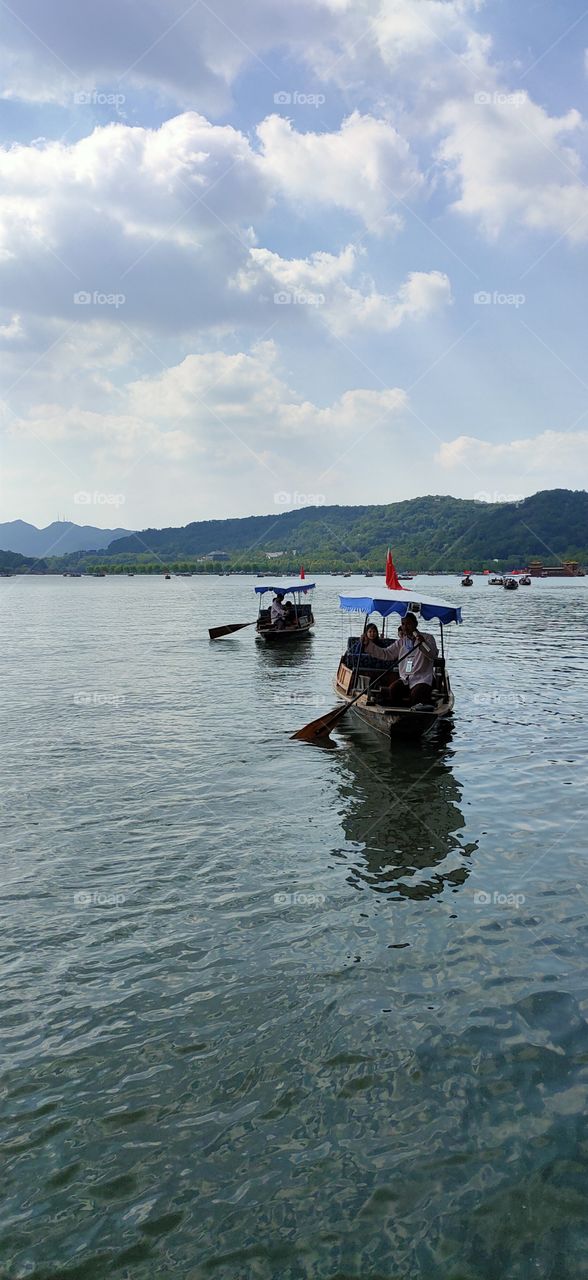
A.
x: 364, y: 681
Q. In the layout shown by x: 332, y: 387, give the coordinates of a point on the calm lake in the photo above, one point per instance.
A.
x: 271, y: 1011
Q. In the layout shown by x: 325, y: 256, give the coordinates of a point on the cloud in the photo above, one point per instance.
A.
x: 319, y: 287
x: 513, y: 165
x: 362, y: 167
x: 189, y: 53
x: 237, y: 403
x: 547, y: 460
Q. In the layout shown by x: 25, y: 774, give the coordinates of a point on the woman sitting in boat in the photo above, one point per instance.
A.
x: 415, y: 652
x: 371, y: 634
x: 290, y: 618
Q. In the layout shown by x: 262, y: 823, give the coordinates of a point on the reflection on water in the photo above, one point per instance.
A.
x: 401, y: 810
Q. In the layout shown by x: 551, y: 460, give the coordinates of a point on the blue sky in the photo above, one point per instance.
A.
x: 255, y: 257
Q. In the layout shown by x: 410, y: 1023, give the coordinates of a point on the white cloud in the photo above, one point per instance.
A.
x: 514, y: 166
x: 544, y: 461
x: 239, y: 403
x: 191, y: 53
x: 362, y: 167
x: 319, y: 286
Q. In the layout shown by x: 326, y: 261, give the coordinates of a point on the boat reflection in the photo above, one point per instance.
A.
x: 402, y: 812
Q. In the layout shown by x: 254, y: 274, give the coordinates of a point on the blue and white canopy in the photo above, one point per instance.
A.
x: 301, y: 585
x: 387, y: 601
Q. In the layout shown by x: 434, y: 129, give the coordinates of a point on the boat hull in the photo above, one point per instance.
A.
x: 393, y: 723
x: 286, y: 635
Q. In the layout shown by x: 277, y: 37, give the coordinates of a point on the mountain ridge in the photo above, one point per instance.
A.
x: 56, y: 538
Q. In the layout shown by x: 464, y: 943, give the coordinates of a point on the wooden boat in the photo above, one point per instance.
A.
x: 511, y: 584
x: 406, y: 577
x: 467, y: 581
x: 495, y: 582
x: 357, y: 670
x: 525, y: 581
x: 303, y: 618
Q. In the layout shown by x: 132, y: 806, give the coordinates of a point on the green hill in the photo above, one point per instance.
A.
x: 434, y: 532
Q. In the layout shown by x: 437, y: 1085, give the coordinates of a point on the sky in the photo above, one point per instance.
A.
x: 256, y: 257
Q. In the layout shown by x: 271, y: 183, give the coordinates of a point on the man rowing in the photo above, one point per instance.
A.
x: 415, y: 652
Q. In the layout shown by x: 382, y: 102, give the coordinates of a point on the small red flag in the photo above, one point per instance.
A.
x: 302, y: 573
x: 391, y: 574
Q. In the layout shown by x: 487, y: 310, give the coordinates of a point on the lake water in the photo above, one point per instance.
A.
x: 271, y: 1011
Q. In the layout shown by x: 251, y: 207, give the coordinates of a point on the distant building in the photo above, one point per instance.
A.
x: 216, y: 555
x: 569, y: 569
x: 274, y: 555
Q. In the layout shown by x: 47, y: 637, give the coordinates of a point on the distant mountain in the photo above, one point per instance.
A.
x: 11, y: 562
x: 58, y: 539
x: 429, y: 532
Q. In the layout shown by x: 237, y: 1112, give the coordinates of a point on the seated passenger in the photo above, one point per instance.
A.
x: 415, y: 652
x: 290, y: 618
x: 371, y: 633
x: 278, y: 612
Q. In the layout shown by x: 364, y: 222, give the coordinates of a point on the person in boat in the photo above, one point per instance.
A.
x: 278, y: 612
x: 415, y: 652
x: 372, y: 634
x: 289, y: 614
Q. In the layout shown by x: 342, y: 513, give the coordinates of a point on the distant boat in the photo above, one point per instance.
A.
x: 495, y: 582
x: 511, y: 584
x: 302, y: 618
x: 525, y: 581
x: 168, y: 577
x: 467, y: 581
x: 406, y: 577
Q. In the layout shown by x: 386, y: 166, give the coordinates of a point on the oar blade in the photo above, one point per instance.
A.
x: 215, y: 633
x: 318, y: 730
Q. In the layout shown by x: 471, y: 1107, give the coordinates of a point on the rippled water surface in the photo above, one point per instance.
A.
x: 272, y: 1011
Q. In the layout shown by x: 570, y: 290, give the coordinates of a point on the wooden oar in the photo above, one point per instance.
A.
x: 321, y: 727
x: 215, y: 633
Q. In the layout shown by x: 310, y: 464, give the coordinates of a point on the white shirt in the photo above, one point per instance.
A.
x: 277, y: 610
x: 414, y: 668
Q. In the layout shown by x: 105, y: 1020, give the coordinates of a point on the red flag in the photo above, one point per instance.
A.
x: 391, y: 574
x: 302, y: 574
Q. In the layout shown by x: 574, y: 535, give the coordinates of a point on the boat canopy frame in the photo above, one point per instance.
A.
x: 388, y: 601
x: 290, y: 589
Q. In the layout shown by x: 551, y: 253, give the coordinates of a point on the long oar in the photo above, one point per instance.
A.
x: 215, y: 633
x: 321, y: 727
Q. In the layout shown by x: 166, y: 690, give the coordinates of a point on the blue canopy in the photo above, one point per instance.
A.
x: 302, y: 585
x: 388, y: 601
